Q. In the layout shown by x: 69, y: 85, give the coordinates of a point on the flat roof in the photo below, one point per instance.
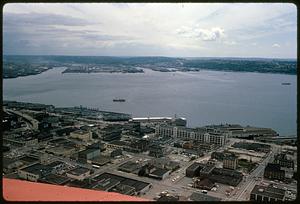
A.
x: 130, y: 166
x: 138, y: 185
x: 268, y: 191
x: 203, y: 197
x: 36, y: 168
x: 194, y: 166
x: 78, y: 171
x: 159, y: 172
x: 55, y: 179
x: 32, y: 191
x: 55, y: 163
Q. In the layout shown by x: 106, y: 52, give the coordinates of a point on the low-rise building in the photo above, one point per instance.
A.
x: 34, y: 172
x: 82, y: 135
x: 159, y: 173
x: 79, y: 173
x: 267, y: 194
x: 202, y: 197
x: 193, y: 170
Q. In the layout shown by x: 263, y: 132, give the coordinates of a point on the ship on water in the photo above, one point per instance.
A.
x: 119, y: 100
x: 285, y: 83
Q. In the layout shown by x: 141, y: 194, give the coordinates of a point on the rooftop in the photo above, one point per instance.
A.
x: 269, y: 191
x: 203, y: 197
x: 37, y: 169
x: 78, y: 171
x: 30, y: 191
x: 159, y: 172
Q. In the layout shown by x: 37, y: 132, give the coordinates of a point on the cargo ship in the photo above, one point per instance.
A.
x: 285, y: 83
x: 119, y: 100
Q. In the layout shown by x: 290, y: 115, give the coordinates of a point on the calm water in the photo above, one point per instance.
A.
x: 206, y: 97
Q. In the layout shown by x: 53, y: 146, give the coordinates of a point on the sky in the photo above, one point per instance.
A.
x: 266, y: 30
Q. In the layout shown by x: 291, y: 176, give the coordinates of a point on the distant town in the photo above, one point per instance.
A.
x: 16, y: 66
x: 156, y: 158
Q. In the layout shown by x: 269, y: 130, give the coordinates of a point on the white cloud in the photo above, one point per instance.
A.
x: 276, y: 45
x: 171, y: 28
x: 211, y: 34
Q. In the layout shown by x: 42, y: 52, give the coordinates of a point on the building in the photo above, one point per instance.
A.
x: 129, y: 167
x: 230, y: 161
x: 111, y: 132
x: 61, y: 151
x: 117, y: 144
x: 193, y: 170
x: 197, y: 134
x: 100, y: 160
x: 55, y: 179
x: 283, y: 161
x: 205, y: 184
x: 159, y: 173
x: 82, y: 135
x: 274, y: 171
x: 206, y: 171
x: 109, y: 181
x: 165, y: 163
x: 202, y: 197
x: 34, y: 172
x: 226, y: 176
x: 156, y: 151
x: 88, y: 154
x: 267, y: 193
x: 79, y: 173
x: 21, y: 141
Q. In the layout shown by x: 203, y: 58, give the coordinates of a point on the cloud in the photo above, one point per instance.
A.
x: 276, y: 45
x: 211, y: 34
x: 44, y: 19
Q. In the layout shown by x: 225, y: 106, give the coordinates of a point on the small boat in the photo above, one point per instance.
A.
x: 119, y: 100
x: 285, y: 83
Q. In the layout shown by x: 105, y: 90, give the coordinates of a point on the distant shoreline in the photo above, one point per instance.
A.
x: 16, y: 66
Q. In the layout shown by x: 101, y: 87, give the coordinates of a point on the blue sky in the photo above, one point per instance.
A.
x: 148, y: 29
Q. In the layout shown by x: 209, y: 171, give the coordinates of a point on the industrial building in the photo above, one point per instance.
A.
x: 267, y: 193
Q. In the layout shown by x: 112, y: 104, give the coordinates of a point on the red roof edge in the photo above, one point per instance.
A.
x: 19, y: 190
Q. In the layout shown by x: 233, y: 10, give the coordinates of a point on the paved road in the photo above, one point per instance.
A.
x: 33, y: 121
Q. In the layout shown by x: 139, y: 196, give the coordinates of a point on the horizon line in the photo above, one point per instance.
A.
x: 131, y: 56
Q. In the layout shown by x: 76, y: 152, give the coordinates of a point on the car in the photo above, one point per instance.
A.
x: 204, y: 191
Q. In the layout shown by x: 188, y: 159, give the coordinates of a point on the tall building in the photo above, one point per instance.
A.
x: 230, y: 162
x: 273, y: 171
